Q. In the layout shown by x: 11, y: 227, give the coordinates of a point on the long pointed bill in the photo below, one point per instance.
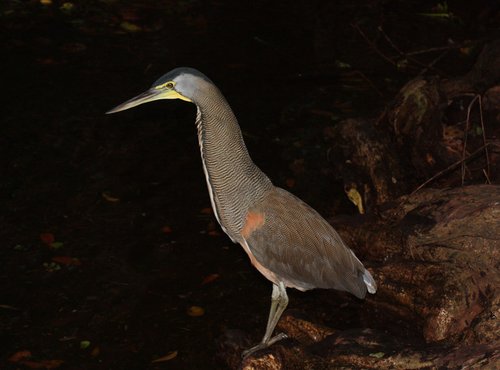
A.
x: 146, y: 97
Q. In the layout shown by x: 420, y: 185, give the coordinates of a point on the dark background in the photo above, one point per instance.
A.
x: 107, y: 186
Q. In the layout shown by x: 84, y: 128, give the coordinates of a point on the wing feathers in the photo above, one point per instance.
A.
x: 302, y: 249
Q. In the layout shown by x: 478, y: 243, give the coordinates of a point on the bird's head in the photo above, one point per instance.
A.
x: 180, y: 83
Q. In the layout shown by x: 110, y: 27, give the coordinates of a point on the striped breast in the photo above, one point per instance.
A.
x: 234, y: 181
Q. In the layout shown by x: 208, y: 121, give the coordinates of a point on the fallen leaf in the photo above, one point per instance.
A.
x: 213, y: 229
x: 23, y: 356
x: 166, y: 229
x: 467, y: 50
x: 195, y: 311
x: 210, y: 278
x: 48, y: 61
x: 206, y: 211
x: 169, y: 356
x: 56, y: 245
x: 51, y: 266
x: 47, y: 238
x: 20, y: 247
x: 298, y: 166
x: 8, y: 307
x: 430, y: 159
x: 20, y: 355
x: 130, y: 27
x: 84, y: 344
x: 67, y: 7
x: 109, y: 197
x: 43, y: 364
x: 66, y: 260
x: 342, y: 64
x: 95, y: 352
x: 356, y: 199
x: 377, y: 354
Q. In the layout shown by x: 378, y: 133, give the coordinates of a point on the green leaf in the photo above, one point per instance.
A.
x: 56, y: 245
x: 130, y: 27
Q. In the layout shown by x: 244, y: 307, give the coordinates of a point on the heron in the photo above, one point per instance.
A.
x: 286, y: 240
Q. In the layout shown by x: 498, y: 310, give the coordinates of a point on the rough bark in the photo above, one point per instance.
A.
x: 437, y: 266
x: 431, y: 127
x: 435, y: 253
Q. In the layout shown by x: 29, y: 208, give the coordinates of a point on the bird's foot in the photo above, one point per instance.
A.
x: 263, y: 344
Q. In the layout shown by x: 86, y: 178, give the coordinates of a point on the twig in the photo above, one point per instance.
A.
x: 409, y: 57
x: 487, y: 177
x: 431, y: 50
x: 449, y: 168
x: 373, y: 46
x: 487, y: 156
x: 466, y: 134
x: 367, y: 80
x: 431, y: 64
x: 388, y: 39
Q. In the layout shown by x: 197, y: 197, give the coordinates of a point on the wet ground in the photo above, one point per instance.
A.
x: 107, y: 241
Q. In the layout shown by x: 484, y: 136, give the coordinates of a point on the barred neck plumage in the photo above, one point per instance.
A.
x: 234, y: 182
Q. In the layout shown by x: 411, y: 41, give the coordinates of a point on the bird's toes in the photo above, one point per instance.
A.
x: 263, y: 345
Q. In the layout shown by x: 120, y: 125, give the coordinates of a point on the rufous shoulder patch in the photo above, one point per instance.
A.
x: 253, y: 221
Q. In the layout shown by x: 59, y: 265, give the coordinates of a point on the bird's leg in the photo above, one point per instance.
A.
x: 279, y: 301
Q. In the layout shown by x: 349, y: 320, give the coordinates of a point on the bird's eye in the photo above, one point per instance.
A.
x: 169, y: 85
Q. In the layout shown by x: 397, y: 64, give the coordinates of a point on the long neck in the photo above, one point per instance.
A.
x: 234, y: 182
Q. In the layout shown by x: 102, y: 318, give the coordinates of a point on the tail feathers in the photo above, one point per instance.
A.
x: 371, y: 285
